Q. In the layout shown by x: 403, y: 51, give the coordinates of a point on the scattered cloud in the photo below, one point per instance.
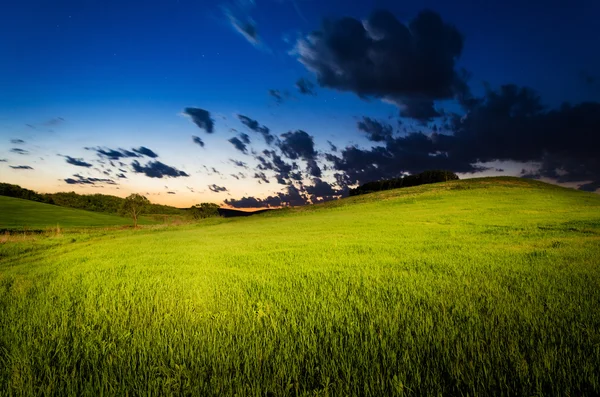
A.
x: 261, y: 176
x: 77, y: 162
x: 201, y: 118
x: 20, y: 167
x: 305, y: 86
x: 81, y: 180
x: 255, y: 126
x: 19, y: 151
x: 238, y: 163
x: 197, y: 141
x: 17, y: 141
x: 238, y: 144
x: 376, y: 131
x: 156, y: 169
x: 144, y: 151
x: 216, y: 188
x: 113, y: 154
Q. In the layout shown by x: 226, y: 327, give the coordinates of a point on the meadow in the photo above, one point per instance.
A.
x: 479, y: 287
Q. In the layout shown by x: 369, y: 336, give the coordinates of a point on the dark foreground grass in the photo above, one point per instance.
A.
x: 482, y: 287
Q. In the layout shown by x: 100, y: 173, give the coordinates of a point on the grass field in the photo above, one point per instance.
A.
x: 20, y: 214
x: 477, y: 287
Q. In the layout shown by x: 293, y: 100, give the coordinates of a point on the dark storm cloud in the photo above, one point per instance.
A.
x: 313, y: 168
x: 17, y: 141
x: 283, y: 170
x: 197, y: 140
x: 509, y: 124
x: 376, y: 131
x: 201, y: 118
x: 216, y: 188
x: 77, y: 162
x: 156, y: 169
x: 410, y: 65
x: 322, y: 191
x: 305, y: 87
x: 255, y: 126
x: 144, y: 151
x: 19, y: 150
x: 20, y: 167
x: 81, y: 180
x: 292, y: 197
x: 238, y: 144
x: 261, y: 176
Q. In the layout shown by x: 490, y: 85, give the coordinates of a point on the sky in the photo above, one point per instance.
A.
x: 264, y: 103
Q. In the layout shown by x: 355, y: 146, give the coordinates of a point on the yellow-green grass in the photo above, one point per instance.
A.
x: 17, y: 213
x: 478, y: 287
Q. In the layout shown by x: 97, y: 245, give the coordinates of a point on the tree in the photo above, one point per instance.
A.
x: 204, y: 210
x: 134, y: 206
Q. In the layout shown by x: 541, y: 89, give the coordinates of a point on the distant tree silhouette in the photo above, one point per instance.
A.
x: 204, y: 210
x: 134, y: 206
x: 423, y: 178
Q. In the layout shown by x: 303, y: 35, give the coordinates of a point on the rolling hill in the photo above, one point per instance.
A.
x: 19, y: 213
x: 477, y: 287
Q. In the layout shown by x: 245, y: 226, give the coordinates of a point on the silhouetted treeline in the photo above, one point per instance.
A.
x: 6, y: 189
x: 405, y: 181
x: 89, y: 202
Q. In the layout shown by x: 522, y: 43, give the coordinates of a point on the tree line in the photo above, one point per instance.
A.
x: 423, y: 178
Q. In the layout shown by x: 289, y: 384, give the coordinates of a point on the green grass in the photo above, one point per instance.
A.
x: 478, y: 287
x: 20, y: 214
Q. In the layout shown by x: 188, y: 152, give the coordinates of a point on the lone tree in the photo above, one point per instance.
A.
x: 133, y: 206
x: 204, y: 210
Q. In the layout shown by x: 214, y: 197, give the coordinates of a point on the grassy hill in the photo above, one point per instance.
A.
x: 18, y: 213
x: 476, y: 287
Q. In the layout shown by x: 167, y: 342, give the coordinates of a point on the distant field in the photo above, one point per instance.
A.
x: 18, y: 213
x: 477, y: 287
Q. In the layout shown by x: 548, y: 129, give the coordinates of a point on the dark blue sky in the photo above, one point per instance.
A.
x: 119, y: 74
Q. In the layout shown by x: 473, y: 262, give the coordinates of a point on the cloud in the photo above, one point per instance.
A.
x: 292, y: 197
x: 122, y: 176
x: 322, y: 191
x: 19, y: 151
x: 261, y: 176
x: 54, y: 122
x: 216, y: 188
x: 156, y: 169
x: 201, y: 118
x: 247, y: 28
x: 332, y: 147
x: 238, y: 144
x: 144, y: 151
x: 245, y: 138
x: 238, y: 163
x: 508, y: 124
x: 81, y: 180
x: 276, y: 94
x: 197, y: 140
x: 376, y: 131
x: 298, y: 144
x: 255, y: 126
x: 20, y: 167
x: 17, y: 141
x: 113, y: 154
x: 77, y: 162
x: 305, y: 87
x: 171, y: 193
x: 3, y: 160
x: 410, y: 65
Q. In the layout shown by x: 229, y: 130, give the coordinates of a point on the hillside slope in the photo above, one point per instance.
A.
x: 19, y: 213
x: 477, y: 287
